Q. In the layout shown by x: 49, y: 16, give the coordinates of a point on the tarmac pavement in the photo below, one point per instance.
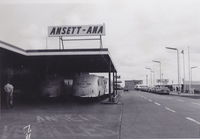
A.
x: 56, y: 120
x: 148, y: 115
x: 137, y: 115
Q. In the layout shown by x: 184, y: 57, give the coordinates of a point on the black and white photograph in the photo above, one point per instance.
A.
x: 99, y: 69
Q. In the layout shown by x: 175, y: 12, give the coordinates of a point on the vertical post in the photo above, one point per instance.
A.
x: 150, y: 78
x: 183, y: 70
x: 179, y: 85
x: 0, y: 91
x: 192, y: 89
x: 189, y: 70
x: 153, y: 78
x: 101, y: 44
x: 1, y: 86
x: 116, y: 84
x: 109, y: 78
x: 147, y: 80
x: 160, y: 70
x: 46, y: 43
x: 62, y: 42
x: 113, y: 84
x: 59, y: 43
x: 191, y: 81
x: 160, y: 75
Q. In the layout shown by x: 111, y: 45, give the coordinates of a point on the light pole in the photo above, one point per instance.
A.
x: 160, y: 68
x: 153, y: 78
x: 147, y: 80
x: 189, y: 70
x: 150, y: 75
x: 191, y: 76
x: 162, y: 78
x: 178, y: 66
x: 183, y: 70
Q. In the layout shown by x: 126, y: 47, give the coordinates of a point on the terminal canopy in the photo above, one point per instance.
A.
x: 65, y: 60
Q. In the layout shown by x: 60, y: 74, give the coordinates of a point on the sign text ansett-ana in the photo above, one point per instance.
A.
x: 84, y: 30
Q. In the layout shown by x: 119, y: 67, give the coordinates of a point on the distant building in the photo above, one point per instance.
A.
x: 130, y: 84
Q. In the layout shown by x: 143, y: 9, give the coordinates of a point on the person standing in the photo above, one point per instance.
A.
x: 9, y: 88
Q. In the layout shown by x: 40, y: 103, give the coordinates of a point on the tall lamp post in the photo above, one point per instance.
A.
x: 150, y: 75
x: 160, y: 68
x: 182, y: 52
x: 191, y: 77
x: 147, y: 80
x: 189, y: 70
x: 153, y: 77
x: 178, y: 66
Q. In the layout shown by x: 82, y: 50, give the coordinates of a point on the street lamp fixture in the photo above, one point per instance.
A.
x: 171, y: 48
x: 178, y: 66
x: 156, y: 61
x: 194, y: 67
x: 148, y: 68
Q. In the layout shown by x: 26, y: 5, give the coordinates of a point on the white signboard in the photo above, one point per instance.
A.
x: 82, y: 30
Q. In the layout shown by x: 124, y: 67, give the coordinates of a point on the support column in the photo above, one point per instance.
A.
x: 109, y: 80
x: 101, y: 44
x: 62, y: 43
x: 59, y: 43
x: 116, y: 84
x: 113, y: 84
x: 1, y: 86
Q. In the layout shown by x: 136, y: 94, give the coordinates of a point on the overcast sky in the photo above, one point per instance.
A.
x: 137, y: 31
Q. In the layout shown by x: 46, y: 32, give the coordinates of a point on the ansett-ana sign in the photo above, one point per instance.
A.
x: 83, y: 30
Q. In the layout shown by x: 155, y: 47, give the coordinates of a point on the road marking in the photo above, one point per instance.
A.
x: 157, y: 103
x: 180, y: 100
x: 169, y: 109
x: 196, y: 103
x: 149, y: 100
x: 193, y: 120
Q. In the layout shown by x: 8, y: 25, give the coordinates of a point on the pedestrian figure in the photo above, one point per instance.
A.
x: 8, y: 88
x: 177, y: 89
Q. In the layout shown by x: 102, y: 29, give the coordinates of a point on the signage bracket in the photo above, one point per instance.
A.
x: 61, y: 41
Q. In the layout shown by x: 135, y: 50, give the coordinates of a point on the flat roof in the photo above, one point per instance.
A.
x: 76, y: 60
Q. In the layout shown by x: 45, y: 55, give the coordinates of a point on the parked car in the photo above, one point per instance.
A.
x: 162, y: 90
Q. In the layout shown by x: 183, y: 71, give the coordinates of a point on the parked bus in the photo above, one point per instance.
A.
x: 86, y: 85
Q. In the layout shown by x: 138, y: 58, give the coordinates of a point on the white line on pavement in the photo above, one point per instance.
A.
x: 193, y: 120
x: 196, y: 103
x: 157, y: 103
x: 169, y: 109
